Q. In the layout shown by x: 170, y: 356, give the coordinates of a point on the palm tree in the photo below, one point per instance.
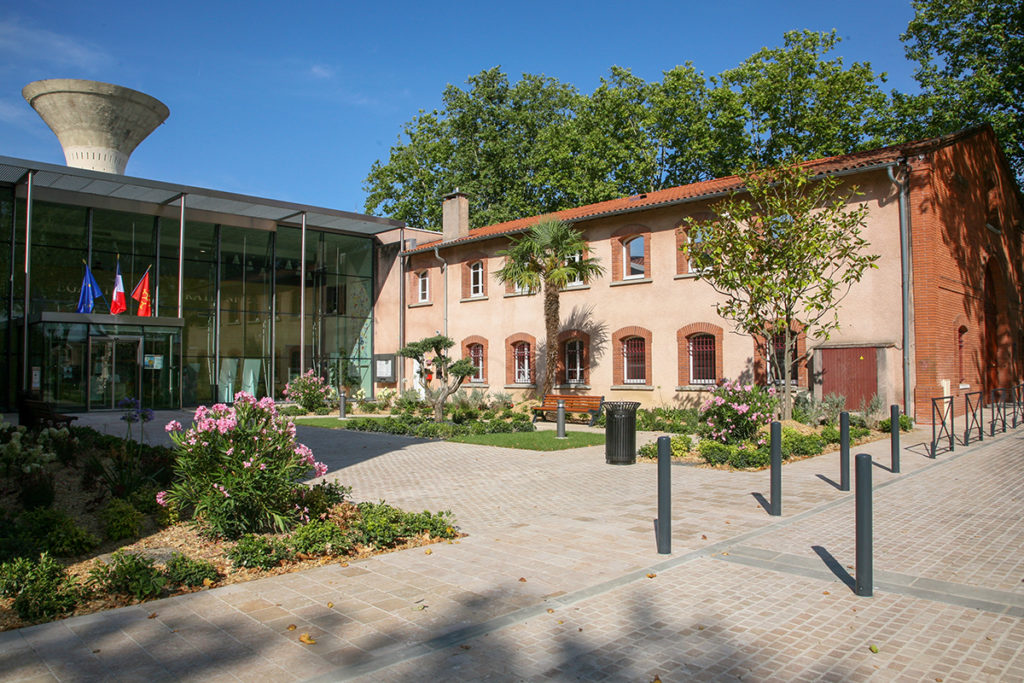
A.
x: 551, y: 255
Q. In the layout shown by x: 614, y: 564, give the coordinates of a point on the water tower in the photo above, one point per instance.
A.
x: 99, y: 125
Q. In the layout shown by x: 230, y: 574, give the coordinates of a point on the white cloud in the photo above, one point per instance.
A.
x: 321, y: 71
x: 43, y: 46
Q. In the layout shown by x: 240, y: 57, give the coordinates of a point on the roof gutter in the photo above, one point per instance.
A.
x: 685, y: 200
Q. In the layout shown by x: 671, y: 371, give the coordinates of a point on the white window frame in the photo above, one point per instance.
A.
x: 690, y: 349
x: 476, y: 279
x: 521, y: 362
x: 479, y: 375
x: 574, y: 374
x: 626, y: 366
x: 691, y: 267
x: 577, y: 257
x: 423, y: 287
x: 627, y: 263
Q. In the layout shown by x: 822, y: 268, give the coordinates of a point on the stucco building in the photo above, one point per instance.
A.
x: 940, y: 316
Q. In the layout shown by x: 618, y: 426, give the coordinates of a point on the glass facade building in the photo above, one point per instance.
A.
x: 247, y: 293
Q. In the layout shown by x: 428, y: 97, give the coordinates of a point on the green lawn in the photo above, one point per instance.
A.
x: 534, y: 441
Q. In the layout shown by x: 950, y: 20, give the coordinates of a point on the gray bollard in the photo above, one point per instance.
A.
x: 560, y: 429
x: 342, y: 398
x: 776, y: 493
x: 664, y: 528
x: 865, y: 574
x: 844, y: 451
x: 894, y: 437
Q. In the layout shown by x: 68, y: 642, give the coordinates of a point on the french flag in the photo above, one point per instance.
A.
x: 118, y: 304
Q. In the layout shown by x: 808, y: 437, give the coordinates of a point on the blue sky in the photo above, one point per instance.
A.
x: 295, y: 101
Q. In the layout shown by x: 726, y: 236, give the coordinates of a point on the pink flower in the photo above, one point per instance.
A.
x: 263, y: 465
x: 161, y: 498
x: 222, y: 490
x: 173, y: 426
x: 319, y: 469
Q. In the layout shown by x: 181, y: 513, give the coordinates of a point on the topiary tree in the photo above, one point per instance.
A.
x: 450, y: 374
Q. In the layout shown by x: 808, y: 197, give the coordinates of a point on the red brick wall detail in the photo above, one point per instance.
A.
x: 568, y: 335
x: 618, y: 362
x: 619, y: 238
x: 510, y: 360
x: 683, y: 344
x: 476, y: 339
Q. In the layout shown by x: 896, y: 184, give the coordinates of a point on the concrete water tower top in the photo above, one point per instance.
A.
x: 99, y: 125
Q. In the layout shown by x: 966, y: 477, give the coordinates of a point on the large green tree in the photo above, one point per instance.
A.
x: 548, y: 257
x: 970, y: 66
x: 799, y: 104
x: 537, y: 145
x: 783, y: 253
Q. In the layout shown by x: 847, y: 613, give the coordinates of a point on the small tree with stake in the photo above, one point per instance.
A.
x: 783, y: 252
x: 451, y: 374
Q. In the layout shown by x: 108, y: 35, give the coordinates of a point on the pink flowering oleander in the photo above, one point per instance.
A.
x: 319, y: 469
x: 161, y: 498
x: 173, y: 426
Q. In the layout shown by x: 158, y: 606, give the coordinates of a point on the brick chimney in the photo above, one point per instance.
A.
x: 454, y: 216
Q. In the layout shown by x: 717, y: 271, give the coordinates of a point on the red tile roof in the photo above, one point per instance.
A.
x: 701, y: 190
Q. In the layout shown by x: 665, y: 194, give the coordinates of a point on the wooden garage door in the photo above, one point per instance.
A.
x: 851, y: 372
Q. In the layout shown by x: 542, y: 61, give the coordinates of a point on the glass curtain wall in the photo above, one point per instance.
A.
x: 246, y: 290
x: 241, y: 307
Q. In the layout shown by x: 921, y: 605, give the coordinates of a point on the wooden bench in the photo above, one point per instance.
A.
x: 36, y: 414
x: 573, y: 404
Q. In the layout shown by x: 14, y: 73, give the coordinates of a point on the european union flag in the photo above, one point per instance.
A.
x: 90, y: 291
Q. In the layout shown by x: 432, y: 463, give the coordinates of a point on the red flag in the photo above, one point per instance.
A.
x: 117, y: 304
x: 141, y: 294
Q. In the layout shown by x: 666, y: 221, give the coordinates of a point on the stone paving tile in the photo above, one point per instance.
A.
x: 567, y: 522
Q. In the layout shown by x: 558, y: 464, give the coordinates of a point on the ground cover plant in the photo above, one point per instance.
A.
x: 413, y: 425
x: 91, y: 550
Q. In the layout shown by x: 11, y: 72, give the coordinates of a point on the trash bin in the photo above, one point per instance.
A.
x: 620, y: 432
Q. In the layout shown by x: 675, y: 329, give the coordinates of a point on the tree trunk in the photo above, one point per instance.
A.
x: 787, y: 379
x: 551, y: 330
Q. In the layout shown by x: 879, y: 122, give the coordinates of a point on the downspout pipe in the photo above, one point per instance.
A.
x: 906, y: 270
x: 400, y: 362
x: 444, y: 270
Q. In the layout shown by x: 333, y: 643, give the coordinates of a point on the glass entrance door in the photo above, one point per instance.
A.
x: 115, y: 364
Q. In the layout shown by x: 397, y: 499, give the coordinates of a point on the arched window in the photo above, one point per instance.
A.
x: 574, y: 362
x: 423, y: 287
x: 633, y: 265
x: 476, y: 279
x: 702, y: 359
x: 521, y: 357
x: 476, y: 357
x: 634, y: 361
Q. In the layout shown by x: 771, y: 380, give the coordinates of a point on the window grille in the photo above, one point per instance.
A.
x: 702, y: 359
x: 634, y: 361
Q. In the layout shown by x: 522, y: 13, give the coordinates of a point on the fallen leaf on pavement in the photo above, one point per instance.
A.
x: 428, y: 551
x: 522, y: 580
x: 291, y: 627
x: 550, y: 611
x: 304, y: 638
x: 873, y: 648
x: 152, y: 616
x: 330, y: 605
x: 703, y: 537
x: 651, y: 575
x: 464, y: 647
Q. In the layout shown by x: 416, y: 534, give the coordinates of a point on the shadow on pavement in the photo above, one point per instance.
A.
x: 834, y: 566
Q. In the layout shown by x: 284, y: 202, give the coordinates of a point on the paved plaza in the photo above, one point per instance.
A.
x: 559, y: 578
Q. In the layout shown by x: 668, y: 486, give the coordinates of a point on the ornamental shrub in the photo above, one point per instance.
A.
x: 120, y: 520
x: 310, y: 392
x: 795, y: 443
x: 747, y: 455
x: 680, y: 447
x: 239, y: 469
x: 42, y: 589
x: 183, y: 570
x: 320, y: 537
x: 258, y: 552
x: 128, y: 574
x: 54, y: 531
x: 734, y: 413
x: 715, y: 453
x: 906, y: 423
